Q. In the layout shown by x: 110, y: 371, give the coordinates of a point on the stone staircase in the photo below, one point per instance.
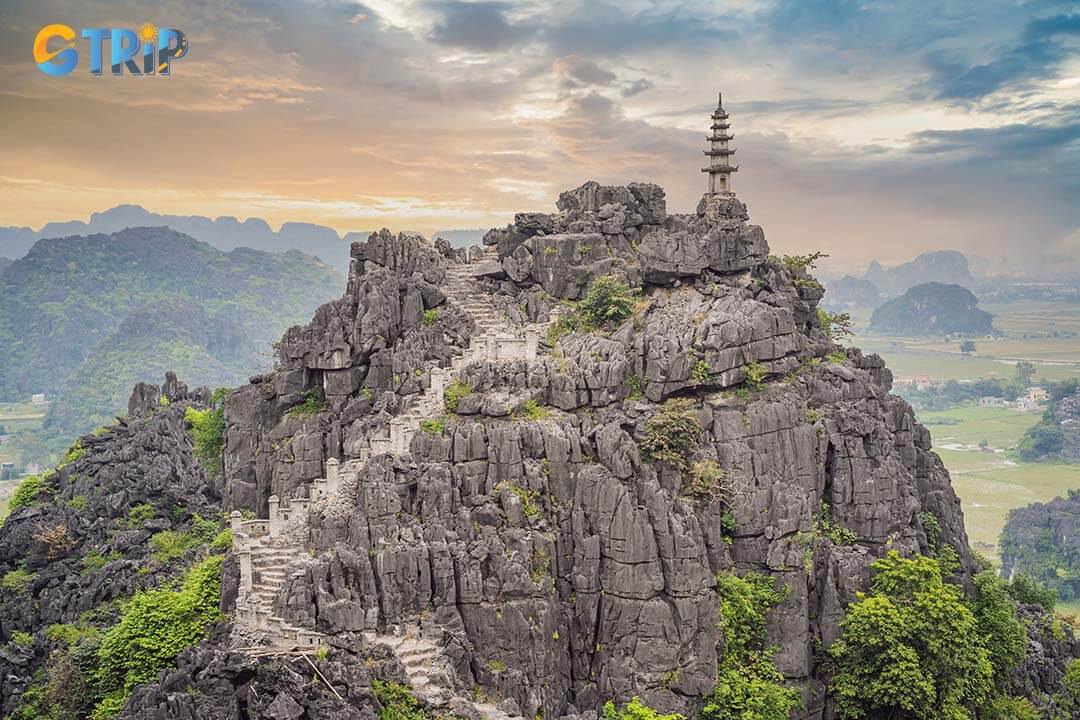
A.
x: 265, y: 548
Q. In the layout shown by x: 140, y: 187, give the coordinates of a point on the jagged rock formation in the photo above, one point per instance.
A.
x: 933, y: 309
x: 549, y: 563
x: 77, y: 540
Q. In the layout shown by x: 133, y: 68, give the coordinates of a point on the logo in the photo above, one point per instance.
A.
x: 155, y: 47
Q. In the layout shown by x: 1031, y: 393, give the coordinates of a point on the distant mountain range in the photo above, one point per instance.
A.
x: 4, y: 262
x: 85, y: 317
x: 933, y: 309
x: 945, y: 266
x: 224, y: 233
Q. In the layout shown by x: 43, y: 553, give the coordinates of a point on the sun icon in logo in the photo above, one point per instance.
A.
x: 148, y: 32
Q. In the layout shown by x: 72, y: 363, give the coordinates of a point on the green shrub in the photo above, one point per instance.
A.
x: 453, y: 394
x: 208, y: 429
x: 910, y: 647
x: 755, y: 375
x: 22, y: 639
x: 826, y: 527
x: 222, y: 542
x: 27, y: 493
x: 1068, y: 698
x: 705, y: 478
x: 748, y: 685
x: 932, y: 528
x: 607, y: 303
x: 154, y: 626
x: 397, y: 702
x: 1004, y: 707
x: 531, y: 410
x: 671, y: 435
x: 636, y: 384
x: 700, y: 372
x: 529, y: 507
x: 169, y: 545
x: 94, y: 561
x: 139, y: 514
x: 75, y: 452
x: 429, y: 317
x: 310, y: 407
x: 17, y: 581
x: 835, y: 325
x: 836, y: 358
x: 635, y: 710
x: 434, y: 426
x: 79, y: 503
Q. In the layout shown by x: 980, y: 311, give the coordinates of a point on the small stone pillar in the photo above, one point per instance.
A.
x: 246, y: 582
x: 275, y: 515
x: 333, y: 475
x: 236, y: 524
x: 438, y: 385
x: 532, y: 342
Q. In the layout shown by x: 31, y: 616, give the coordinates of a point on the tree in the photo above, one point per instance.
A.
x: 967, y: 347
x: 1025, y: 370
x: 748, y: 684
x: 608, y: 302
x: 910, y: 648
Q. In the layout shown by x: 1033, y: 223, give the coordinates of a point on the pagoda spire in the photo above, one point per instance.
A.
x: 720, y: 167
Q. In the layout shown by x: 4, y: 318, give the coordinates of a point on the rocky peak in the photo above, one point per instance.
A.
x: 524, y: 534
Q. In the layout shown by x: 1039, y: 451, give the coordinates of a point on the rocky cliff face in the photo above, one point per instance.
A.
x: 79, y: 544
x: 526, y: 532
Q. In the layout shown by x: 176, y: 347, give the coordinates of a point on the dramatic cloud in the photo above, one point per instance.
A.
x: 862, y: 129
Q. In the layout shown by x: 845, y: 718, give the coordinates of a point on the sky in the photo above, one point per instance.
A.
x: 868, y: 130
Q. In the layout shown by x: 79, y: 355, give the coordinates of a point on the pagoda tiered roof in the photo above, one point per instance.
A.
x: 720, y: 168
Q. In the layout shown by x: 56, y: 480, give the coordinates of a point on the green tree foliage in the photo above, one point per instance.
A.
x: 1003, y: 707
x: 208, y: 429
x: 608, y: 302
x: 836, y: 325
x: 1003, y: 635
x: 748, y: 685
x: 88, y: 317
x: 1068, y: 698
x: 1042, y: 441
x: 154, y: 626
x: 1026, y: 590
x: 910, y: 648
x: 1025, y: 370
x: 671, y: 435
x: 635, y: 710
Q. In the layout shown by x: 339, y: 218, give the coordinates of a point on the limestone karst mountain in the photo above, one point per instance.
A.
x: 83, y: 318
x: 224, y: 233
x: 512, y: 481
x: 933, y: 309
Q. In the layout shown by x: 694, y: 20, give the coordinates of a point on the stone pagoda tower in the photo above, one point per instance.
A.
x: 720, y: 168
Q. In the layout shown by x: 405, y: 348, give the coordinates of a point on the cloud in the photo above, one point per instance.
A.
x: 578, y: 72
x: 1040, y: 51
x: 477, y: 26
x: 637, y: 86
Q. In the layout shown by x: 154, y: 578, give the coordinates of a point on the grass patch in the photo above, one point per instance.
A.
x: 434, y: 426
x: 17, y: 581
x: 531, y: 410
x: 429, y: 317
